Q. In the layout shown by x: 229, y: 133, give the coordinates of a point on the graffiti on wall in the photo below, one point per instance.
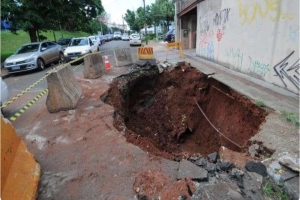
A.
x: 208, y: 51
x: 257, y: 67
x: 206, y: 45
x: 221, y: 17
x: 288, y: 72
x: 234, y: 57
x: 264, y: 9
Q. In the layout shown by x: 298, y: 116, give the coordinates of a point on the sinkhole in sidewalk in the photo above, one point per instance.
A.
x: 161, y: 112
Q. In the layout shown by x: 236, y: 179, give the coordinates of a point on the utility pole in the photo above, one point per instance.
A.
x: 145, y: 22
x: 123, y: 24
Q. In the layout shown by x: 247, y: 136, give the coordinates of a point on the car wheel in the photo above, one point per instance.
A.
x: 61, y: 57
x: 40, y: 64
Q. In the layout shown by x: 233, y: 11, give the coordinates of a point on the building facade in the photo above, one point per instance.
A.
x: 256, y: 37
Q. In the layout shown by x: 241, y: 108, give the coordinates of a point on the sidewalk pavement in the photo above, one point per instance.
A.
x: 276, y: 98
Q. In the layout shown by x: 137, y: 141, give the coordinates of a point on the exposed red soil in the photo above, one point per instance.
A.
x: 162, y: 117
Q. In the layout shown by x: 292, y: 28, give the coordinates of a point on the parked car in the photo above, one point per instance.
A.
x: 110, y: 37
x: 125, y: 37
x: 96, y: 41
x: 4, y: 95
x: 102, y: 39
x: 117, y: 35
x: 34, y: 56
x: 170, y: 36
x: 64, y: 42
x: 79, y: 47
x: 135, y: 39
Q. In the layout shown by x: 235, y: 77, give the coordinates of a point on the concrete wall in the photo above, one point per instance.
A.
x: 256, y: 37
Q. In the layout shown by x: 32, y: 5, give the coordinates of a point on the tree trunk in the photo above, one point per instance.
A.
x: 32, y: 35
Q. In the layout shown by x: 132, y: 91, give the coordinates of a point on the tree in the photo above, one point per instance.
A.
x: 35, y: 15
x: 168, y: 9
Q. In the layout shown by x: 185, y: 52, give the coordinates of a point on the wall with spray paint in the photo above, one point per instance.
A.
x: 256, y: 37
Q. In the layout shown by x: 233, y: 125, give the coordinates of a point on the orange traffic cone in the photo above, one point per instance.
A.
x: 107, y: 64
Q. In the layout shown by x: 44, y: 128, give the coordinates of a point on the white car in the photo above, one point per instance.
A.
x: 135, y: 39
x: 125, y: 37
x: 96, y: 41
x: 4, y: 92
x: 79, y: 47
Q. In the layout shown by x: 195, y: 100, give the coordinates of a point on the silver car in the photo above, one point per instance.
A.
x: 34, y: 56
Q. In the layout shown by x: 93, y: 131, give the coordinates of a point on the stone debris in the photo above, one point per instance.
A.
x: 225, y: 166
x: 256, y: 167
x: 289, y: 161
x: 254, y: 150
x: 218, y: 191
x: 213, y: 157
x: 278, y: 172
x: 201, y: 162
x: 291, y: 187
x: 190, y: 170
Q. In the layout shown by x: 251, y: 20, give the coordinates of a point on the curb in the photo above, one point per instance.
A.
x: 6, y: 76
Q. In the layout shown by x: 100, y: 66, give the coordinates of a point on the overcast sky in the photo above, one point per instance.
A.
x: 117, y: 8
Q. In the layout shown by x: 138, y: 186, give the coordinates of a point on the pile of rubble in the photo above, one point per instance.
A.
x: 212, y: 177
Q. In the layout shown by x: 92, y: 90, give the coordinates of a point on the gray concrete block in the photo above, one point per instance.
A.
x: 64, y: 90
x: 93, y: 66
x: 123, y: 57
x: 190, y: 170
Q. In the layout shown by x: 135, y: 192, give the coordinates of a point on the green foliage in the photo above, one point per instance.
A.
x: 11, y: 42
x: 158, y: 12
x: 268, y: 189
x: 261, y: 103
x: 291, y: 117
x: 277, y: 193
x: 36, y: 15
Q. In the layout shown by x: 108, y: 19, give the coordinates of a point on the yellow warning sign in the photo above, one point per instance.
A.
x: 145, y: 53
x: 176, y: 45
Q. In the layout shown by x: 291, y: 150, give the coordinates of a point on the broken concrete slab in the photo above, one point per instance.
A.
x: 123, y: 57
x: 190, y: 170
x: 144, y: 63
x: 64, y: 90
x: 279, y: 173
x: 252, y: 183
x: 219, y: 191
x: 289, y: 161
x: 291, y: 187
x: 93, y: 66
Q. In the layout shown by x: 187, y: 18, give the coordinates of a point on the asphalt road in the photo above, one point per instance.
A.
x: 19, y: 82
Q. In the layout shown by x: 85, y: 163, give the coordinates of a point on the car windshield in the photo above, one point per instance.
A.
x: 79, y: 42
x: 117, y: 33
x: 134, y: 35
x: 28, y: 48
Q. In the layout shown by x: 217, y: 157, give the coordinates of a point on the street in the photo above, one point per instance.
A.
x: 19, y: 82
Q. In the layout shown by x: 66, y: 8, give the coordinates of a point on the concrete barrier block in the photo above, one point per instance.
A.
x: 93, y: 66
x: 20, y: 173
x: 64, y: 90
x: 123, y: 57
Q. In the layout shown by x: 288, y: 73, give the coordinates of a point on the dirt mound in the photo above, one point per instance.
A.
x: 161, y: 115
